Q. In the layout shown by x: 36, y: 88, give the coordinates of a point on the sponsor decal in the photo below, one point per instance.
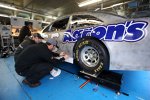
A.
x: 77, y: 50
x: 77, y: 55
x: 99, y: 68
x: 130, y: 31
x: 54, y: 35
x: 83, y: 43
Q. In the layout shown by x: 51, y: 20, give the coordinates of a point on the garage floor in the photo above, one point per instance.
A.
x: 66, y: 86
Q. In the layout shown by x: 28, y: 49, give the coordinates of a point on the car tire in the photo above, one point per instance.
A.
x: 4, y: 53
x: 91, y: 55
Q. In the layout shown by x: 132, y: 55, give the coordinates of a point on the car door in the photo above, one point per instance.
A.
x: 56, y: 31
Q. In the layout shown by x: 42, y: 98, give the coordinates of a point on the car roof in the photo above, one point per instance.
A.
x: 90, y: 13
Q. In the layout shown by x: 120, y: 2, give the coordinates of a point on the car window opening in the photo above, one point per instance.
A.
x: 60, y: 25
x: 85, y: 21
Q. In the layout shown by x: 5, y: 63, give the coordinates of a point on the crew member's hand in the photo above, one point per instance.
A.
x: 66, y: 56
x: 62, y: 54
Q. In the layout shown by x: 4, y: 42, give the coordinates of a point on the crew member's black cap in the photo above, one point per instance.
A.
x: 28, y: 23
x: 37, y: 35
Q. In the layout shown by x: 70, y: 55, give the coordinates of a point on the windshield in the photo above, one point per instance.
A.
x: 140, y: 14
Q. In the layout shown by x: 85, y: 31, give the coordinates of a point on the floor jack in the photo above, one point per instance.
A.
x: 108, y: 79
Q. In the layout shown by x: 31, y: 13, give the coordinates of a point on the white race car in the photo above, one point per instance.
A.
x: 98, y: 41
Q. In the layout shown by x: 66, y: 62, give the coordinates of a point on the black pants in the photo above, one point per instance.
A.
x: 37, y: 71
x: 16, y: 57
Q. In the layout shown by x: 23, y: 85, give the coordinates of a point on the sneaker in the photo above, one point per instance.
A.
x: 55, y: 73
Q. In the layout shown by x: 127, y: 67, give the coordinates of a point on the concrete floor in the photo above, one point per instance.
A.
x: 66, y: 86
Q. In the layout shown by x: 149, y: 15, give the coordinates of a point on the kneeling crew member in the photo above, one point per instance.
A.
x: 35, y: 38
x: 37, y: 61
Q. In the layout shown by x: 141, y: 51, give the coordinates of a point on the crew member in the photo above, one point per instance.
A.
x: 35, y: 38
x: 25, y: 31
x: 38, y: 60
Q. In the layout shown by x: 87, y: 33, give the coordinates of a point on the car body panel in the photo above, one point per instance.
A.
x: 124, y: 54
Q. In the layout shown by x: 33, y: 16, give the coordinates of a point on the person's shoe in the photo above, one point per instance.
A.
x: 25, y: 81
x: 55, y: 73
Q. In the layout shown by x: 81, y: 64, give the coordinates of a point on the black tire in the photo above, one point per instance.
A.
x: 99, y: 60
x: 4, y: 53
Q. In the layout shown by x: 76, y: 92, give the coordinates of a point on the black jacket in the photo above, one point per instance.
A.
x: 27, y: 41
x: 25, y: 31
x: 34, y: 54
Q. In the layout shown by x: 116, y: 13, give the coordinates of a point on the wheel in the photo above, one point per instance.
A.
x: 4, y: 55
x: 4, y: 52
x: 91, y: 55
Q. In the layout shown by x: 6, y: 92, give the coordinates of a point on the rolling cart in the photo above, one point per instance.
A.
x: 7, y: 46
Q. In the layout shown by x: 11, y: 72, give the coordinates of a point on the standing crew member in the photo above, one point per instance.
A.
x: 38, y: 60
x: 35, y: 38
x: 25, y: 31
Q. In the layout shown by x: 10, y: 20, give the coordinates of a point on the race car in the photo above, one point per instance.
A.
x: 103, y: 41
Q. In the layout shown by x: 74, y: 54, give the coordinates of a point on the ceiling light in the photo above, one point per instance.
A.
x: 88, y: 2
x: 3, y: 15
x: 97, y: 9
x: 118, y: 4
x: 51, y: 17
x: 106, y: 7
x: 13, y: 8
x: 7, y: 6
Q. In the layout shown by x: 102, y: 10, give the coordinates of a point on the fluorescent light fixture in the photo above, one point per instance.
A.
x: 45, y: 22
x: 3, y: 15
x: 52, y: 17
x: 88, y: 2
x: 97, y: 9
x: 106, y: 7
x: 13, y: 8
x: 118, y: 4
x: 7, y: 6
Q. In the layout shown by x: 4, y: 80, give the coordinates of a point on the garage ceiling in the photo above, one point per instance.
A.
x: 52, y: 7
